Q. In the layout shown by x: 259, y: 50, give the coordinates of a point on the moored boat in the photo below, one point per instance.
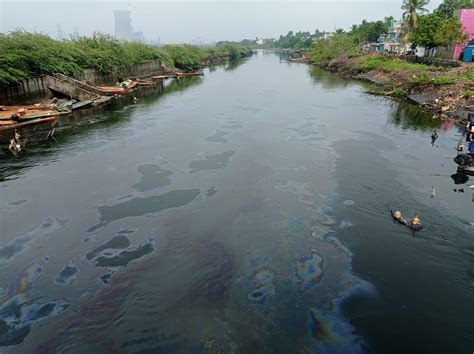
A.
x: 189, y: 74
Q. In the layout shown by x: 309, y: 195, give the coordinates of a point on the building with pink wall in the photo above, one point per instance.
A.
x: 466, y: 16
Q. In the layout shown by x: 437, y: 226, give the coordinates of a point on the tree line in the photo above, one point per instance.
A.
x: 421, y: 28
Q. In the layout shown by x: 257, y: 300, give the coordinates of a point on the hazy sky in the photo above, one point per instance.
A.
x: 192, y: 20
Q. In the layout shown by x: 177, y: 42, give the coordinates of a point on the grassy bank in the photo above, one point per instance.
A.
x: 396, y: 76
x: 24, y: 54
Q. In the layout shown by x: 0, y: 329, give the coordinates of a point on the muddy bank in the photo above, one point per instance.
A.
x: 444, y: 92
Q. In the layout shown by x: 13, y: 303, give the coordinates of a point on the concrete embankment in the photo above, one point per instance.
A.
x: 38, y: 87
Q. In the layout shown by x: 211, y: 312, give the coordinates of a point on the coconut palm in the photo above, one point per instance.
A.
x: 411, y: 10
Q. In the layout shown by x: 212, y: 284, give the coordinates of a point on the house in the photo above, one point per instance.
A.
x: 372, y: 47
x: 390, y: 42
x: 259, y: 41
x: 466, y: 16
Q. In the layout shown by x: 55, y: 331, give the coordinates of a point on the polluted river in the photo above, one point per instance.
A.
x: 247, y: 211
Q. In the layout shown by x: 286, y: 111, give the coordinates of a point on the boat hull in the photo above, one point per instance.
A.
x: 469, y: 170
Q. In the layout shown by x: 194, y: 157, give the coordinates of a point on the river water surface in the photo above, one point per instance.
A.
x: 243, y: 212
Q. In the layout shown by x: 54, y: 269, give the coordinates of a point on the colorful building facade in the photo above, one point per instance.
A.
x: 466, y: 16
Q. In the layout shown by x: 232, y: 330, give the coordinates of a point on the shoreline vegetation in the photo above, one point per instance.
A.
x: 446, y: 91
x: 24, y: 55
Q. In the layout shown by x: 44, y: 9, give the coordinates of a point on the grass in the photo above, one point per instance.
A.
x: 389, y: 65
x: 470, y: 74
x: 469, y: 94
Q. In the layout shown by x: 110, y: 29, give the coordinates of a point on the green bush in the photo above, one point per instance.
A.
x: 326, y: 49
x: 24, y: 54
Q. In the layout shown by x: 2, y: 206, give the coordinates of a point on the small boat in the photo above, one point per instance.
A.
x: 398, y: 219
x: 16, y: 125
x: 162, y: 77
x: 118, y: 90
x: 410, y: 224
x: 299, y: 60
x: 415, y: 227
x: 465, y: 163
x: 189, y: 74
x: 465, y: 159
x: 112, y: 90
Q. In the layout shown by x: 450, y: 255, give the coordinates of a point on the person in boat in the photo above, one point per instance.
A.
x: 470, y: 127
x: 415, y: 223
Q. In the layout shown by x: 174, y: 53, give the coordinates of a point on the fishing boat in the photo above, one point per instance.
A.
x: 189, y: 74
x: 414, y: 224
x: 299, y: 60
x: 465, y: 161
x: 465, y: 158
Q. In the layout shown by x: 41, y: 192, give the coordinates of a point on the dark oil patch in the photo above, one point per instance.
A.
x: 124, y: 257
x: 213, y: 162
x: 143, y: 206
x: 67, y: 274
x: 106, y: 278
x: 153, y: 176
x: 211, y: 191
x: 220, y: 136
x: 17, y: 202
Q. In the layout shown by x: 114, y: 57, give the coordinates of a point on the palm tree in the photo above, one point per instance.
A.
x: 411, y: 10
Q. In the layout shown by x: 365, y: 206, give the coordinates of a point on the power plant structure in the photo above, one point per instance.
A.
x: 123, y: 25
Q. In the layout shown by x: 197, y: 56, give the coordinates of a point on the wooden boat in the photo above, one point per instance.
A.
x: 25, y: 107
x: 116, y: 90
x: 74, y: 105
x: 112, y: 90
x: 162, y: 77
x: 7, y: 111
x: 16, y: 125
x: 299, y: 60
x: 189, y: 74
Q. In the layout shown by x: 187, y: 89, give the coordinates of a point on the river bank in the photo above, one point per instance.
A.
x: 447, y: 92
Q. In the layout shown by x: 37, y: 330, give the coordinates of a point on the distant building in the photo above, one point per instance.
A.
x: 259, y: 41
x: 390, y: 42
x: 123, y: 25
x: 138, y: 37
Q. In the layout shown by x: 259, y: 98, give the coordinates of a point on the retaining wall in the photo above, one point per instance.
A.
x: 34, y: 88
x: 26, y: 91
x: 95, y: 78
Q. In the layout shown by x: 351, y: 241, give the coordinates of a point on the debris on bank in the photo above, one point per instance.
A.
x: 448, y: 93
